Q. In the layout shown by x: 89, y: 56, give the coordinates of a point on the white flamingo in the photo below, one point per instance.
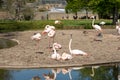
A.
x: 102, y: 23
x: 96, y: 27
x: 76, y: 51
x: 55, y: 55
x: 118, y: 27
x: 57, y: 22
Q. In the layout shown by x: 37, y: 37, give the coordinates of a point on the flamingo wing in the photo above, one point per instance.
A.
x: 97, y: 27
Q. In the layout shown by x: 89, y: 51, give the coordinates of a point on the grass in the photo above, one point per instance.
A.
x: 7, y: 26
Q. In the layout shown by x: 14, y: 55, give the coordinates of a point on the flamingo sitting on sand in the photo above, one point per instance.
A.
x: 76, y: 51
x: 55, y: 55
x: 66, y: 56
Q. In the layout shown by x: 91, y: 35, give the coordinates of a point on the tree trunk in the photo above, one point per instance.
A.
x: 115, y: 14
x: 86, y: 13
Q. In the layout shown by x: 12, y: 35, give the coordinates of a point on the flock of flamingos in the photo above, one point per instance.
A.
x: 50, y: 31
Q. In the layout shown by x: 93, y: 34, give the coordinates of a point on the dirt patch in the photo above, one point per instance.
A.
x: 30, y: 54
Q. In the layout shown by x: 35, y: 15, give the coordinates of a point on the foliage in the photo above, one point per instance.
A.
x: 72, y: 6
x: 7, y: 26
x: 104, y: 8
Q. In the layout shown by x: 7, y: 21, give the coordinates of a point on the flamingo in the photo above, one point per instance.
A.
x: 50, y: 30
x: 102, y: 23
x: 118, y: 27
x: 75, y: 51
x: 36, y: 37
x: 96, y: 27
x: 66, y: 56
x: 57, y: 45
x: 55, y: 55
x: 57, y: 22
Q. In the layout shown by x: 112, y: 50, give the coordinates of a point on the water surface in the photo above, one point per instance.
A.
x: 68, y: 73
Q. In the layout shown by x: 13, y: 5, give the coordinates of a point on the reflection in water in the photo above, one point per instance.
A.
x: 67, y: 73
x: 6, y: 43
x: 93, y: 70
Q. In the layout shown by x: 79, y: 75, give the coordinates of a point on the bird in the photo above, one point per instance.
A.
x: 66, y: 56
x: 50, y: 30
x: 95, y: 26
x: 118, y: 27
x: 57, y: 45
x: 102, y: 23
x: 36, y: 37
x: 76, y: 51
x: 55, y: 55
x: 57, y: 22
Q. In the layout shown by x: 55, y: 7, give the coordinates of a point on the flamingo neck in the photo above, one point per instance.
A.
x: 70, y: 45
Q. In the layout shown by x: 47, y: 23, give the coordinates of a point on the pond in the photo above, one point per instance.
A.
x: 104, y: 72
x: 7, y: 43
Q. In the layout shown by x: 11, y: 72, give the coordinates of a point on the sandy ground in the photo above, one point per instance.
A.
x: 25, y: 55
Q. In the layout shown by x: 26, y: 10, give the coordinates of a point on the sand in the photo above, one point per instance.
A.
x: 31, y: 54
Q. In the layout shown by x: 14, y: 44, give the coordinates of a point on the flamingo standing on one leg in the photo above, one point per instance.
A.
x: 66, y: 56
x: 76, y: 51
x: 50, y: 30
x: 96, y: 27
x: 36, y: 37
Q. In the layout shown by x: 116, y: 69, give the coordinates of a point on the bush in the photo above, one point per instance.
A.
x: 8, y: 26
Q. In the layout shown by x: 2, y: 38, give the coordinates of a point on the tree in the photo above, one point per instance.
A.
x: 106, y: 8
x: 72, y: 6
x: 1, y: 3
x: 84, y: 4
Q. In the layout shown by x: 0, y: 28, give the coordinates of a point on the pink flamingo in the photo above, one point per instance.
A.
x: 50, y: 30
x: 36, y: 37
